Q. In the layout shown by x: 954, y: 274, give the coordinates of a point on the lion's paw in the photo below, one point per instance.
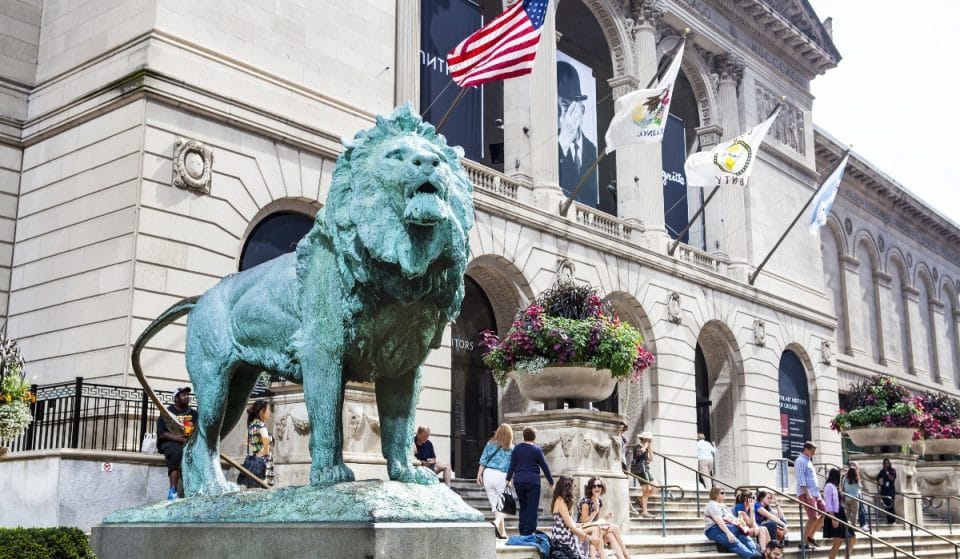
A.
x: 330, y: 475
x: 422, y: 476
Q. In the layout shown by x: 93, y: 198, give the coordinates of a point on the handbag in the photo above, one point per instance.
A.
x: 507, y: 503
x: 561, y: 551
x: 257, y: 466
x: 149, y: 444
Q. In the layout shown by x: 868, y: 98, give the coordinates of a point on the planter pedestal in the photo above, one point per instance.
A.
x: 580, y: 443
x: 938, y: 478
x: 932, y: 448
x: 908, y: 503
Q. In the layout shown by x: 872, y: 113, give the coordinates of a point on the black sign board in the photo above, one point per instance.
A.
x: 794, y: 405
x: 674, y: 153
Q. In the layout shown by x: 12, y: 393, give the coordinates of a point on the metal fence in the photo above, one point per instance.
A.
x: 88, y: 416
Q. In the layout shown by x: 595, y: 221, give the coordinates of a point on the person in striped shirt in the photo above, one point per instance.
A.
x: 809, y: 494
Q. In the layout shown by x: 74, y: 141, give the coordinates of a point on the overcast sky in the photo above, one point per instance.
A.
x: 894, y: 96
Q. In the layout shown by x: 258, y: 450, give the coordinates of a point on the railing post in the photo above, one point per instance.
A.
x: 663, y: 500
x: 77, y: 402
x: 144, y: 403
x: 803, y: 540
x: 28, y: 438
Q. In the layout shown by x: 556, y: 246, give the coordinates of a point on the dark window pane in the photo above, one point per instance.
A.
x: 278, y: 234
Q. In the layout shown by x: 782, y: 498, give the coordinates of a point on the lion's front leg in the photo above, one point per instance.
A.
x: 323, y: 392
x: 397, y: 403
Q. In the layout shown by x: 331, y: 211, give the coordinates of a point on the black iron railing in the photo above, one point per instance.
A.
x: 88, y: 416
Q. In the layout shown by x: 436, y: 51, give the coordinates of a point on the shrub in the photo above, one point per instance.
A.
x: 44, y: 543
x: 880, y: 401
x: 942, y: 419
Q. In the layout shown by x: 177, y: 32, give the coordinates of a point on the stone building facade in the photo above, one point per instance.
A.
x: 145, y: 144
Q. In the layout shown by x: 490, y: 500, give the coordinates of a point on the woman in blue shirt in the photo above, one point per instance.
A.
x: 527, y: 461
x: 494, y: 463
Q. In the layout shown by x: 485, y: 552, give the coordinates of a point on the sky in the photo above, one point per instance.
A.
x: 894, y: 93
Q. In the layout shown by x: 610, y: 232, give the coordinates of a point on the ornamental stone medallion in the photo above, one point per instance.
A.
x: 192, y: 165
x: 826, y: 352
x: 674, y: 311
x: 760, y: 332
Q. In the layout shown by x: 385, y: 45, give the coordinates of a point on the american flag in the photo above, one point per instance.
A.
x: 504, y: 48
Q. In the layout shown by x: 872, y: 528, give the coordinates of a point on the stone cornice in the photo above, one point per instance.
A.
x: 889, y: 193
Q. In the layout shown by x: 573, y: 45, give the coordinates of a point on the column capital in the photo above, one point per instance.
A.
x: 882, y: 279
x: 911, y: 293
x: 709, y: 135
x: 729, y: 67
x: 621, y: 85
x: 849, y: 263
x: 646, y: 12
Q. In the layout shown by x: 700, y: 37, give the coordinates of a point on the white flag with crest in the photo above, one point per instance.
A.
x: 823, y: 200
x: 730, y: 162
x: 642, y: 115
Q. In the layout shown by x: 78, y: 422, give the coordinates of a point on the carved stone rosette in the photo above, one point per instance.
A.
x: 192, y: 165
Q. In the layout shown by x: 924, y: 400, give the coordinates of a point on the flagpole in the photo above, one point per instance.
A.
x: 755, y: 273
x: 565, y: 207
x: 446, y: 115
x: 703, y: 207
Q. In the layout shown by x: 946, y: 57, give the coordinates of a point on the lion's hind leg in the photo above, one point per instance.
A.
x: 397, y: 402
x: 202, y: 474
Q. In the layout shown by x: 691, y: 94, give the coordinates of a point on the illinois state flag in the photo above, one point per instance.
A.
x: 823, y: 200
x: 504, y: 48
x: 730, y: 162
x: 642, y: 115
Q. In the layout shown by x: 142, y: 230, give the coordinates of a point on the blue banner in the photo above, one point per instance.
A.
x: 794, y: 405
x: 443, y: 24
x: 674, y: 153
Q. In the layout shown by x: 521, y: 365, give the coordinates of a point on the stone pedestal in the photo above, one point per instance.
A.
x: 908, y: 503
x: 580, y: 443
x: 453, y: 540
x: 940, y: 480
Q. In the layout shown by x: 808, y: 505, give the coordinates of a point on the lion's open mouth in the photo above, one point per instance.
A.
x: 425, y: 206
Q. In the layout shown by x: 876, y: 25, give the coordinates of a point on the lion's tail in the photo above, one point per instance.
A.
x: 181, y: 308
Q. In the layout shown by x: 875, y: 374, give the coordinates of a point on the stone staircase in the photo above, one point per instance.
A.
x: 684, y: 532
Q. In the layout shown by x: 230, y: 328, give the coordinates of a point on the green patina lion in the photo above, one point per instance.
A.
x: 366, y: 295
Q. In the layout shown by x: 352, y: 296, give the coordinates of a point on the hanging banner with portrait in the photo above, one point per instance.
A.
x: 577, y: 127
x: 794, y: 405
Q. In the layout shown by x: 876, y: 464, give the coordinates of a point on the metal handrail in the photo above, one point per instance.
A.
x: 934, y: 505
x: 802, y: 506
x: 664, y: 493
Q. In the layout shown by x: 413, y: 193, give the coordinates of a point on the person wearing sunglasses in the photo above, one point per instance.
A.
x: 720, y: 527
x: 590, y: 510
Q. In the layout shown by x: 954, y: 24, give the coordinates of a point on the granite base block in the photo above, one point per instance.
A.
x: 446, y: 540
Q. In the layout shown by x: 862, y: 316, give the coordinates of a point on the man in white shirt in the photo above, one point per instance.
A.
x: 706, y: 454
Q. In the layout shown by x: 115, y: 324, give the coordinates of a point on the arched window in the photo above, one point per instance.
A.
x: 868, y: 303
x: 830, y: 248
x: 927, y: 334
x: 277, y: 234
x: 952, y: 351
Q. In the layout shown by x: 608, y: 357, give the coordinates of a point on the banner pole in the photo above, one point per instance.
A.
x: 565, y: 207
x: 446, y: 115
x: 755, y: 273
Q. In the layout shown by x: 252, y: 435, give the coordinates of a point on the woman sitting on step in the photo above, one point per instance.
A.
x: 567, y: 534
x: 591, y: 511
x: 721, y: 527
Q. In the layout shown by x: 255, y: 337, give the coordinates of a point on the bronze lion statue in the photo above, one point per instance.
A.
x: 365, y: 296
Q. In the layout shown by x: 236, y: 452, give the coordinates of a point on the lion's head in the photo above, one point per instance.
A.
x: 400, y: 196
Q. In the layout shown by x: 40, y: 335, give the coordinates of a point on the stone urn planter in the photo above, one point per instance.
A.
x: 867, y: 437
x: 931, y: 447
x: 556, y: 383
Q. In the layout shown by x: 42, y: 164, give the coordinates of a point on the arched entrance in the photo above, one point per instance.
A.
x: 718, y: 372
x: 794, y: 405
x: 473, y: 392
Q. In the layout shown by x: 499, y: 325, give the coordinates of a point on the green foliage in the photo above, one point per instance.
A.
x: 44, y: 543
x: 880, y: 401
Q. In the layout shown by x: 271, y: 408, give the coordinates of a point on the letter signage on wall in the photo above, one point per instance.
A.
x: 443, y: 24
x: 794, y: 405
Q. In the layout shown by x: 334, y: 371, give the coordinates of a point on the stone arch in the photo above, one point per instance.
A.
x: 865, y: 251
x: 505, y: 286
x: 637, y: 401
x: 698, y: 72
x: 834, y: 226
x: 810, y: 385
x: 897, y: 323
x: 724, y: 382
x: 926, y: 333
x: 616, y: 34
x: 832, y: 251
x: 951, y: 307
x: 302, y: 206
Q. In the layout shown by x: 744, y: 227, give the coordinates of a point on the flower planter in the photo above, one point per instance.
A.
x: 556, y: 383
x: 932, y: 447
x: 881, y: 436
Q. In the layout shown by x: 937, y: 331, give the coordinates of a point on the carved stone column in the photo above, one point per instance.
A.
x: 639, y: 181
x: 881, y: 283
x: 850, y: 321
x: 936, y: 317
x: 406, y: 67
x: 911, y: 303
x: 542, y: 100
x: 732, y: 226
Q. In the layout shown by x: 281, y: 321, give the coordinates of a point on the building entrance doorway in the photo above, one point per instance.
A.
x: 719, y: 386
x: 473, y: 392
